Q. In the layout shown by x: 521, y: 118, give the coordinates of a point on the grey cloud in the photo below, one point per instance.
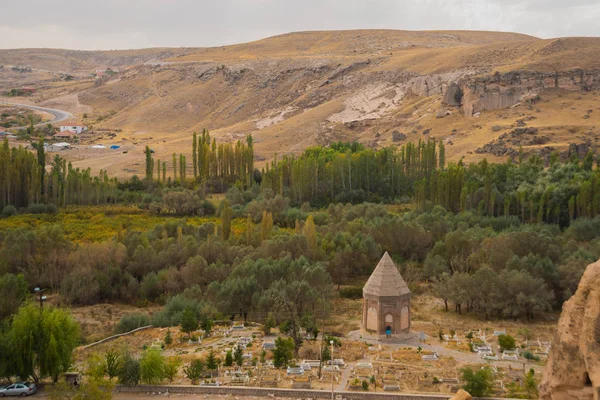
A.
x: 88, y: 24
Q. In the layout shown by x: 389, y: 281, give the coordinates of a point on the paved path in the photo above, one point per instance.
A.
x: 343, y: 382
x: 59, y: 115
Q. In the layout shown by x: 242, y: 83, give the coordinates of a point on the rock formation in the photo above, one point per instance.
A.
x: 573, y: 368
x: 492, y: 92
x: 461, y: 395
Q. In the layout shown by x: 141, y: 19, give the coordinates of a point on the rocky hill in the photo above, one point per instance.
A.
x: 573, y: 368
x: 474, y: 90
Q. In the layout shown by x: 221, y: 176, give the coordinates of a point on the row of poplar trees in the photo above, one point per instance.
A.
x: 25, y: 180
x: 348, y: 172
x: 217, y: 165
x: 345, y: 170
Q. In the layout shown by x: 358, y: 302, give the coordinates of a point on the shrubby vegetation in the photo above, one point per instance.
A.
x: 479, y: 383
x: 130, y: 322
x: 500, y: 240
x: 468, y: 258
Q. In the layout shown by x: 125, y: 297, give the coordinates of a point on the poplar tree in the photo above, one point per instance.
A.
x: 149, y: 164
x: 195, y: 154
x: 174, y: 167
x: 226, y: 215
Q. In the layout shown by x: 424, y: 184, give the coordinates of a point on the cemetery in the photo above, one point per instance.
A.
x: 393, y: 351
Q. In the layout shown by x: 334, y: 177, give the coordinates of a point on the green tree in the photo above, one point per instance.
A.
x: 269, y: 324
x: 14, y: 291
x: 326, y: 353
x: 238, y: 356
x: 95, y: 366
x: 195, y: 154
x: 113, y: 360
x: 263, y: 356
x: 228, y: 359
x: 506, y: 342
x: 588, y: 161
x: 310, y: 231
x: 189, y: 321
x: 168, y: 339
x: 207, y: 324
x: 149, y: 164
x: 530, y: 385
x: 174, y: 167
x: 42, y: 341
x: 171, y: 367
x: 226, y: 215
x: 41, y: 159
x: 478, y: 383
x: 7, y: 366
x: 283, y: 352
x: 152, y: 366
x: 211, y: 361
x: 194, y: 371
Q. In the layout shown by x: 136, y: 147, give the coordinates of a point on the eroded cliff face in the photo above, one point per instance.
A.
x: 573, y: 368
x: 505, y: 90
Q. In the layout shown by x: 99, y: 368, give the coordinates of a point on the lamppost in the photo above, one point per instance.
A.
x: 42, y: 298
x: 332, y: 370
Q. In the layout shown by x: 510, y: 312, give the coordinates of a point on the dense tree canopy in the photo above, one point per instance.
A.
x: 506, y: 240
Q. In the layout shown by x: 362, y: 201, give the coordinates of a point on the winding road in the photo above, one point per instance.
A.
x: 59, y: 115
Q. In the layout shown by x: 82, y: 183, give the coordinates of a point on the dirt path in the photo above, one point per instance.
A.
x: 467, y: 358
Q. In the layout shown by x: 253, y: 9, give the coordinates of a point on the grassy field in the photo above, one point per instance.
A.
x: 95, y: 224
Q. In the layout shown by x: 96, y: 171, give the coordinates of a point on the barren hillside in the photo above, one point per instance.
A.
x: 300, y: 89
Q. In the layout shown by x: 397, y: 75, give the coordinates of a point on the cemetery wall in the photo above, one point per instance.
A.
x: 272, y: 392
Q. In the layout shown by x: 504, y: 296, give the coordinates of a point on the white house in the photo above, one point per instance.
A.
x: 72, y: 127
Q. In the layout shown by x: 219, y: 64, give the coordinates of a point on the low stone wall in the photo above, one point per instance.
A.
x: 271, y: 392
x: 288, y: 393
x: 108, y: 339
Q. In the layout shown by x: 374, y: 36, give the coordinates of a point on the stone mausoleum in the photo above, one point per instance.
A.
x: 386, y: 302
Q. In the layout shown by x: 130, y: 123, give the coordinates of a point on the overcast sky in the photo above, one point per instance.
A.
x: 124, y: 24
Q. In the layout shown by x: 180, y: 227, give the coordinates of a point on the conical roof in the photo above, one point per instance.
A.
x: 386, y: 281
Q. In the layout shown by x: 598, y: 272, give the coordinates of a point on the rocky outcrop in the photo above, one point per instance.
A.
x: 573, y: 368
x: 497, y: 148
x: 398, y: 137
x: 497, y: 91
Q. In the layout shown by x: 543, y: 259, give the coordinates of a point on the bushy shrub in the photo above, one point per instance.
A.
x: 506, y: 342
x: 130, y: 322
x: 9, y: 211
x: 209, y: 208
x: 584, y: 230
x: 152, y: 366
x: 170, y: 315
x: 530, y: 356
x: 149, y: 288
x: 129, y: 370
x: 42, y: 209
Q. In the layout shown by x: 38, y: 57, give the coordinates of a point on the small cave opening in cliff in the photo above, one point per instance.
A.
x: 588, y: 381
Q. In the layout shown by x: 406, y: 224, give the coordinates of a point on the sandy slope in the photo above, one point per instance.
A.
x: 300, y: 89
